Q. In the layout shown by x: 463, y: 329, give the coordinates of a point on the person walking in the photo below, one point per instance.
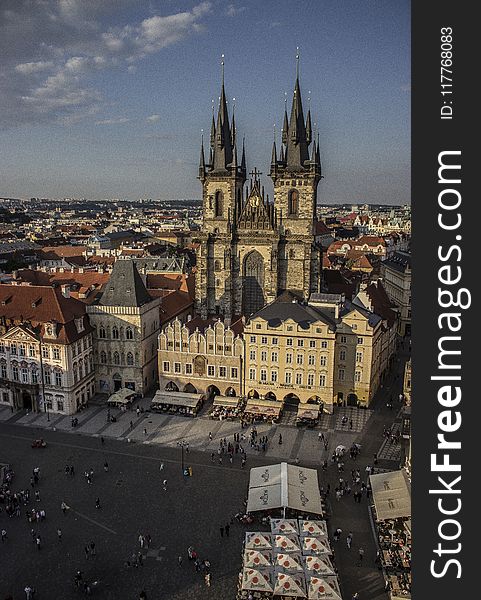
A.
x: 145, y: 431
x: 142, y: 595
x: 337, y: 534
x: 38, y: 541
x: 227, y: 528
x: 87, y: 551
x: 4, y: 535
x: 64, y: 507
x: 207, y: 579
x: 97, y: 503
x: 161, y: 467
x: 28, y: 592
x: 106, y: 466
x: 59, y: 534
x: 221, y: 531
x: 164, y: 484
x: 280, y: 438
x: 349, y: 540
x: 141, y: 541
x: 93, y: 550
x: 210, y: 436
x: 361, y: 556
x: 102, y: 441
x: 179, y: 561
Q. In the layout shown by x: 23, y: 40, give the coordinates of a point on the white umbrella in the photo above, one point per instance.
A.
x: 340, y: 449
x: 314, y: 545
x: 320, y: 589
x: 284, y: 526
x: 286, y: 543
x: 319, y: 566
x: 256, y: 558
x: 290, y: 585
x: 254, y: 579
x: 288, y: 562
x: 316, y: 528
x: 258, y: 541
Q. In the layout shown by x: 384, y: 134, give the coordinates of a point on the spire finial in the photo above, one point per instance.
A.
x: 309, y: 100
x: 297, y: 62
x: 222, y: 65
x: 274, y: 133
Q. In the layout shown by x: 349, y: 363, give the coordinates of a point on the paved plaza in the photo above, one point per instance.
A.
x: 190, y: 511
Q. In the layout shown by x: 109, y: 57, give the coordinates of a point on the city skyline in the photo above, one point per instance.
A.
x: 109, y: 101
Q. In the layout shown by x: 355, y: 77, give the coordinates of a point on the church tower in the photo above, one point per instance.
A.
x: 222, y: 179
x: 296, y: 175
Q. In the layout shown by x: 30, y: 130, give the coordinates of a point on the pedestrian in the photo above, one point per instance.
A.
x: 161, y: 467
x: 140, y: 558
x: 106, y: 466
x: 221, y: 532
x: 227, y: 528
x: 337, y: 534
x: 212, y: 456
x: 210, y: 436
x: 72, y: 472
x: 361, y: 556
x: 356, y: 596
x: 164, y: 484
x: 4, y: 535
x: 207, y: 579
x: 350, y: 423
x: 280, y: 438
x: 87, y: 551
x: 137, y: 410
x: 141, y: 540
x: 179, y: 561
x: 93, y: 551
x: 102, y: 441
x: 63, y: 506
x: 148, y: 539
x: 37, y: 496
x: 38, y: 541
x: 97, y: 503
x: 131, y: 425
x: 59, y: 534
x: 349, y: 540
x: 143, y: 595
x: 145, y: 431
x: 28, y: 592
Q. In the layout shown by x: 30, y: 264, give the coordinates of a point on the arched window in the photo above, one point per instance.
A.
x: 75, y: 373
x: 217, y: 266
x: 80, y: 369
x: 103, y: 357
x: 115, y: 332
x: 219, y: 204
x: 130, y: 358
x: 116, y: 358
x: 293, y: 208
x: 129, y: 334
x: 102, y: 332
x: 342, y: 355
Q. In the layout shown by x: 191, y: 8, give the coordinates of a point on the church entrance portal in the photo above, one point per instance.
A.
x: 253, y: 284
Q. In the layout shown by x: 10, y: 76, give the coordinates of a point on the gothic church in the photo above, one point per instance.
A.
x: 251, y: 249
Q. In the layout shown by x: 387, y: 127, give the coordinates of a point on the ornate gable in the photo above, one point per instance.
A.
x: 19, y: 334
x: 256, y: 212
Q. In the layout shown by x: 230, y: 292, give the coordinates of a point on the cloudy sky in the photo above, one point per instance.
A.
x: 107, y: 98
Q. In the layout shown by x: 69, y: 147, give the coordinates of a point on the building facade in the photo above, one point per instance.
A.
x: 202, y: 356
x: 251, y: 249
x: 396, y: 272
x: 126, y: 321
x: 46, y: 350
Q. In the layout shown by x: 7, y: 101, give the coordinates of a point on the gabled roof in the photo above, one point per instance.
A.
x: 125, y: 286
x: 287, y: 307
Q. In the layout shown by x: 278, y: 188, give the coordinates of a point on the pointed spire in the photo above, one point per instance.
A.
x: 243, y: 159
x: 282, y: 158
x: 285, y: 126
x: 212, y: 128
x: 297, y: 152
x: 234, y: 164
x: 202, y: 160
x: 223, y: 139
x: 308, y: 121
x: 233, y: 130
x: 274, y: 154
x: 318, y: 152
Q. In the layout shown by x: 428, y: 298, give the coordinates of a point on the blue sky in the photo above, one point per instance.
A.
x: 108, y: 99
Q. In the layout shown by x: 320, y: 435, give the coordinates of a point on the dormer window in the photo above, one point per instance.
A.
x: 49, y: 331
x: 79, y: 324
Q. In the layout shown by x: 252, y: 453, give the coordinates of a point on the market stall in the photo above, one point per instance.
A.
x: 307, y: 414
x: 323, y: 588
x: 122, y: 398
x: 181, y: 403
x: 258, y: 409
x: 392, y: 522
x: 284, y: 486
x: 227, y: 407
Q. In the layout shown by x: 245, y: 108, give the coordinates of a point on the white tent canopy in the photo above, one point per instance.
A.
x: 122, y: 396
x: 284, y: 486
x: 177, y: 398
x: 392, y: 495
x: 255, y: 579
x: 313, y: 528
x: 319, y: 588
x: 287, y: 584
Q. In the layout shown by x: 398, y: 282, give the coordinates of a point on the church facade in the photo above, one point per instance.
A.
x: 252, y: 249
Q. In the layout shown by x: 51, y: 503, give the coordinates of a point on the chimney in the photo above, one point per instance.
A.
x: 65, y: 290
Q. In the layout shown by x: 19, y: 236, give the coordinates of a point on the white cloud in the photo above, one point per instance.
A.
x: 34, y: 67
x: 50, y: 48
x: 153, y: 118
x: 113, y: 121
x: 233, y: 10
